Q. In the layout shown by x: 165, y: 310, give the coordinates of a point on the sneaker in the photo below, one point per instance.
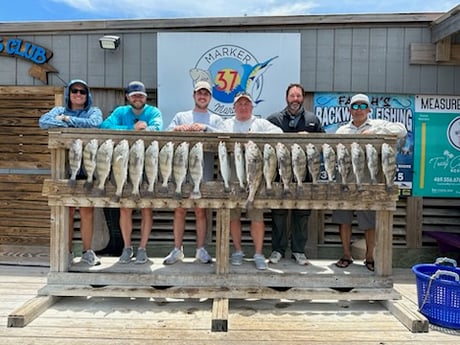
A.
x: 126, y: 255
x: 300, y: 258
x: 174, y: 256
x: 259, y: 260
x: 141, y: 256
x: 90, y: 258
x: 275, y: 257
x: 237, y: 258
x: 203, y: 256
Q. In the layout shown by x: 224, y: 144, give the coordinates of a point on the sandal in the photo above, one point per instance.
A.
x: 344, y: 263
x: 369, y: 265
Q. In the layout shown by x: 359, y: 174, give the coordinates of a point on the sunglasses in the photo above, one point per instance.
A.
x: 361, y: 106
x: 81, y: 91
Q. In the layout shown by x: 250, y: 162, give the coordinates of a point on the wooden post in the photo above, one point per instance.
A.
x: 414, y: 212
x: 383, y: 243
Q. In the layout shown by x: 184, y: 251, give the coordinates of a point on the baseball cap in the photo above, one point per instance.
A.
x: 360, y: 98
x: 202, y: 85
x: 136, y: 88
x: 242, y: 94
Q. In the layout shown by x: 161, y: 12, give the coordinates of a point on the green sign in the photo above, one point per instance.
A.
x: 437, y: 146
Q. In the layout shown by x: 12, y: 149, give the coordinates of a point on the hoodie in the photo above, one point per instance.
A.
x: 89, y: 117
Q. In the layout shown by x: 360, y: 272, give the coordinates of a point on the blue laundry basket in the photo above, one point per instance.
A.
x: 438, y: 292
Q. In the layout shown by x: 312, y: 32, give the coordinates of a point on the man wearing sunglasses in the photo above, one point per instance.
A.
x: 361, y: 124
x: 77, y: 111
x: 292, y: 119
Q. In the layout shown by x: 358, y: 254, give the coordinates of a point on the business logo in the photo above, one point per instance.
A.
x: 230, y: 69
x: 453, y: 133
x: 37, y: 55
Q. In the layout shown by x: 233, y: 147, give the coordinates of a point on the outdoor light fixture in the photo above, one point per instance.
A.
x: 109, y: 42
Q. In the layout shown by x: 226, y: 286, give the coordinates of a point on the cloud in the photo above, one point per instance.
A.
x: 237, y: 8
x: 187, y: 8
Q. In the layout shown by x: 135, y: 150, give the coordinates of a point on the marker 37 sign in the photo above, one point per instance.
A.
x: 35, y: 54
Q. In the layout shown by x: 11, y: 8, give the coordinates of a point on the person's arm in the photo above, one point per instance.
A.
x: 176, y: 121
x: 93, y: 120
x: 265, y: 126
x: 387, y: 127
x: 156, y: 120
x: 48, y: 120
x: 114, y: 122
x: 217, y: 125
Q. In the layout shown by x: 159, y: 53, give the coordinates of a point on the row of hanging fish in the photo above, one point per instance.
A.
x: 294, y: 163
x: 252, y: 165
x: 121, y: 163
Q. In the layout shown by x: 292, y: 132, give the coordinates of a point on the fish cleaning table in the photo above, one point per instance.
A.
x: 219, y: 281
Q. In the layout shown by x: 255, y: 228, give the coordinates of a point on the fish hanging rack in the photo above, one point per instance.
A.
x: 322, y: 195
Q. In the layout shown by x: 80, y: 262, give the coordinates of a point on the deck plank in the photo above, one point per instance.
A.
x: 117, y: 321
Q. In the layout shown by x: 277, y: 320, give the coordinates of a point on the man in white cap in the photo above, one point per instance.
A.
x: 136, y: 116
x: 361, y: 124
x: 199, y: 119
x: 245, y: 122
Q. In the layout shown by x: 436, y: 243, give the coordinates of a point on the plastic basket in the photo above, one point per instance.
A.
x: 438, y: 292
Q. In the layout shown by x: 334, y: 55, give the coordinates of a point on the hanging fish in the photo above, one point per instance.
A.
x: 75, y: 157
x: 151, y: 158
x: 299, y: 166
x: 103, y: 165
x: 388, y: 165
x: 283, y: 156
x: 224, y: 165
x: 120, y: 158
x: 180, y: 164
x: 314, y: 162
x: 136, y: 167
x: 165, y: 160
x: 372, y: 157
x: 254, y: 166
x: 195, y: 167
x: 239, y: 165
x: 269, y: 168
x: 329, y: 159
x: 343, y: 164
x: 357, y: 162
x: 89, y: 162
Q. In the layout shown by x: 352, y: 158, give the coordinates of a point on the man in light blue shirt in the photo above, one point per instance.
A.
x: 136, y: 116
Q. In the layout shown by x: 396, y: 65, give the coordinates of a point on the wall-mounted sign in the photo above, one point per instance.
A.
x: 333, y: 111
x: 437, y: 146
x: 31, y: 52
x: 262, y: 64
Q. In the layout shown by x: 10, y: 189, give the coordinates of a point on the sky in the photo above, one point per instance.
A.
x: 63, y: 10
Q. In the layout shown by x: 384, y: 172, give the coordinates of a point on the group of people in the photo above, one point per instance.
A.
x: 137, y: 115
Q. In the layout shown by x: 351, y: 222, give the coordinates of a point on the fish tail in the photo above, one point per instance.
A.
x: 195, y: 195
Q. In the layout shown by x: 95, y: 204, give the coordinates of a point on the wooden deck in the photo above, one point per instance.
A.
x: 114, y: 320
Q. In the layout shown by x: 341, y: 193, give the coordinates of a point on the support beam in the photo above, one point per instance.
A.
x: 32, y: 309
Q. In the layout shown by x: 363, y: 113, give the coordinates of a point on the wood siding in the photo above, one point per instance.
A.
x: 338, y: 53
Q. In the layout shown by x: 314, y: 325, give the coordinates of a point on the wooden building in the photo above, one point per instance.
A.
x: 384, y: 53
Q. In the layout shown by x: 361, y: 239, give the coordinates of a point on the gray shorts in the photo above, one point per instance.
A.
x: 254, y: 214
x: 366, y: 219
